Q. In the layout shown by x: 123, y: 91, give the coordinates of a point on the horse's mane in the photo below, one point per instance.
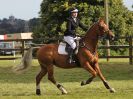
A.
x: 91, y: 27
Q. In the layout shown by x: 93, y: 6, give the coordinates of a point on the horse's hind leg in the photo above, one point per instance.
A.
x: 112, y: 90
x: 40, y: 75
x: 51, y: 78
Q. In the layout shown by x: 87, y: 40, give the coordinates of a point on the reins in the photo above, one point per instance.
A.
x: 83, y: 45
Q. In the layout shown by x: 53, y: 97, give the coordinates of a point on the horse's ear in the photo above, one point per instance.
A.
x: 101, y: 20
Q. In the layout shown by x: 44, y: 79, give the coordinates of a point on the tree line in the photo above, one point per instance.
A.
x: 14, y: 25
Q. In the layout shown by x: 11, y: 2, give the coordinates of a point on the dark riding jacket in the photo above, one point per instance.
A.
x: 72, y: 25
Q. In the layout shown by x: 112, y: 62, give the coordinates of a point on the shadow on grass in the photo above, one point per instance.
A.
x: 111, y: 71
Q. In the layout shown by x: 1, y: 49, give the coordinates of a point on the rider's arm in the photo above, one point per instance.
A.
x: 83, y: 26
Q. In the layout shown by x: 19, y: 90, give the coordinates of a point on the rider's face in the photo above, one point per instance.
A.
x: 74, y: 14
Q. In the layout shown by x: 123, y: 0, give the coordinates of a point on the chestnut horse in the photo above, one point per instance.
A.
x: 87, y: 55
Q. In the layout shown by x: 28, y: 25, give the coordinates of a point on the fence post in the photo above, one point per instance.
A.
x: 23, y: 43
x: 130, y: 50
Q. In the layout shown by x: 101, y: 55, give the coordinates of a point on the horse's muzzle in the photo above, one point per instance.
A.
x: 112, y: 37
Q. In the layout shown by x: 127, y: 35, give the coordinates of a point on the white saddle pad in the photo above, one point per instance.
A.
x: 61, y: 48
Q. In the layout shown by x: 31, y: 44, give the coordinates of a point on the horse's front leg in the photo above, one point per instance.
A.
x: 112, y: 90
x: 89, y: 68
x: 85, y: 82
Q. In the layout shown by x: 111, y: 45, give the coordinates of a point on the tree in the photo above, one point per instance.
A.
x: 13, y: 25
x: 54, y: 13
x: 34, y: 23
x: 121, y: 19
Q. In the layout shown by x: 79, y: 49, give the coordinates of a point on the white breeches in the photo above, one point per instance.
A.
x: 71, y: 41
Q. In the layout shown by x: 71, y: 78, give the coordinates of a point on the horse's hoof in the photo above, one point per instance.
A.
x: 112, y: 90
x: 64, y: 93
x: 83, y: 83
x: 38, y: 92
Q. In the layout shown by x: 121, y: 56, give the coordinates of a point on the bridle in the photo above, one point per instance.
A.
x: 105, y: 33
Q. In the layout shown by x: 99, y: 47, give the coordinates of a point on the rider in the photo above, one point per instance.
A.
x: 73, y: 22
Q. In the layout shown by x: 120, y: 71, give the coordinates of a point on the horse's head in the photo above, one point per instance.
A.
x: 104, y: 30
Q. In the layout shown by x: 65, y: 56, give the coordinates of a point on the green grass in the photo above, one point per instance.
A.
x: 118, y: 73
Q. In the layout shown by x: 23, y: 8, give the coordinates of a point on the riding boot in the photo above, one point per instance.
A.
x: 70, y: 54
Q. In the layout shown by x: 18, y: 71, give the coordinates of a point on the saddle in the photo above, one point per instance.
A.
x: 64, y: 48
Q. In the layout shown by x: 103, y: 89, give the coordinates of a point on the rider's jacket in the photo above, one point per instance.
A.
x: 71, y: 26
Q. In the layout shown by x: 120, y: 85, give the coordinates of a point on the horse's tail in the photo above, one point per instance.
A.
x: 25, y: 62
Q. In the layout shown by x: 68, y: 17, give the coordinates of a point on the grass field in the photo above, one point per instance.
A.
x: 118, y: 73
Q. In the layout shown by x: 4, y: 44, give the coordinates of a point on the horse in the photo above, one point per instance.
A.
x: 87, y: 56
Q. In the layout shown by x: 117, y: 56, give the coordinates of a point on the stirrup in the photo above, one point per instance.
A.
x: 76, y: 50
x: 70, y: 60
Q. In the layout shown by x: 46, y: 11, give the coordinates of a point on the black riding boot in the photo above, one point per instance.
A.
x: 70, y: 54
